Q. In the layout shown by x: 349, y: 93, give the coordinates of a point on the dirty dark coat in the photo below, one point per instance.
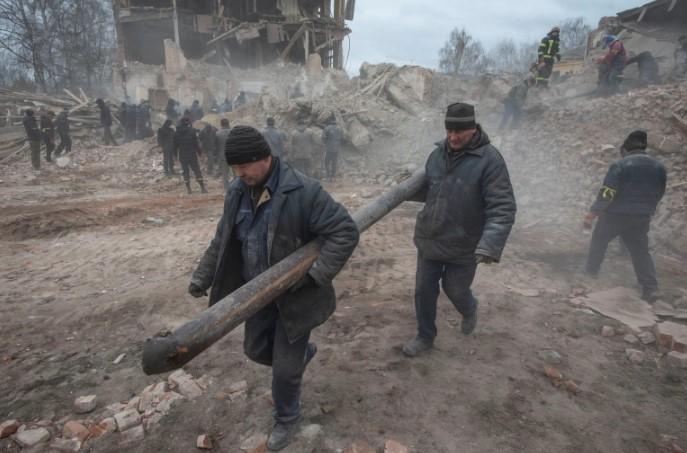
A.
x: 33, y: 133
x: 469, y: 203
x: 186, y: 145
x: 302, y: 211
x: 165, y: 138
x: 105, y: 116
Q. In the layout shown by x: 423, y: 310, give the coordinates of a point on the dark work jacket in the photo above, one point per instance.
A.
x: 165, y: 138
x: 332, y: 138
x: 33, y: 133
x: 518, y: 95
x: 633, y: 186
x: 208, y: 140
x: 469, y: 203
x: 186, y: 145
x: 276, y: 139
x: 105, y: 116
x: 302, y: 211
x: 62, y: 123
x: 48, y: 128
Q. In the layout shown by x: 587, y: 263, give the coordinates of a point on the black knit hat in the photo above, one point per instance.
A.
x: 636, y: 140
x: 245, y: 145
x: 460, y: 117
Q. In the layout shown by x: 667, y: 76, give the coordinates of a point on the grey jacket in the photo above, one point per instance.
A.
x: 469, y: 203
x: 302, y: 211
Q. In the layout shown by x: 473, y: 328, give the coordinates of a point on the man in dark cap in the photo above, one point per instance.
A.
x: 187, y: 148
x: 33, y: 135
x: 624, y: 206
x: 269, y: 212
x: 106, y: 122
x: 468, y: 214
x: 275, y: 138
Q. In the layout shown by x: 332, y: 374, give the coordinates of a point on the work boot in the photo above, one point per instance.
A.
x: 416, y: 346
x: 651, y: 295
x: 467, y: 326
x: 202, y: 187
x: 282, y: 434
x: 188, y: 188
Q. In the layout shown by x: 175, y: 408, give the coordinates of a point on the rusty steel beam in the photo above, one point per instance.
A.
x: 171, y: 350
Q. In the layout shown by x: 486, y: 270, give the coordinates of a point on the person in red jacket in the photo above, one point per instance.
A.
x: 611, y: 67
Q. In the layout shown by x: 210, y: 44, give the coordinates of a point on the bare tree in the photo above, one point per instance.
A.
x: 58, y: 42
x: 574, y: 33
x: 462, y: 54
x: 25, y: 31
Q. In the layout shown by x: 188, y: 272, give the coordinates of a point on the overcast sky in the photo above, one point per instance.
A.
x: 413, y: 31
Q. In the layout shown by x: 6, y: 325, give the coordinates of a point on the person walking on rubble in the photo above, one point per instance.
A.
x: 611, y: 68
x: 187, y: 149
x: 270, y: 211
x: 48, y: 133
x: 514, y: 102
x: 33, y: 135
x: 197, y: 113
x: 106, y: 122
x: 468, y: 214
x: 63, y: 130
x: 631, y: 190
x: 222, y: 136
x: 208, y: 143
x: 301, y: 152
x: 165, y: 138
x: 275, y: 138
x: 171, y: 111
x: 332, y: 137
x: 548, y: 50
x: 647, y: 67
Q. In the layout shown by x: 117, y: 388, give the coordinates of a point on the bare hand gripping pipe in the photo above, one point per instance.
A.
x: 171, y: 350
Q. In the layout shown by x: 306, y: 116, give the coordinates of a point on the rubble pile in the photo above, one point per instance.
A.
x: 83, y: 117
x: 129, y: 420
x: 559, y: 164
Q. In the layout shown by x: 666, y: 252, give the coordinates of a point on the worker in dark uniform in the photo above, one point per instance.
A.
x: 626, y: 202
x: 63, y: 130
x: 33, y: 135
x: 332, y: 136
x: 208, y: 143
x: 275, y: 138
x: 647, y: 68
x: 548, y: 50
x: 143, y: 129
x: 106, y: 122
x: 48, y: 133
x: 187, y: 149
x: 514, y: 102
x: 301, y: 151
x: 165, y: 138
x: 197, y: 113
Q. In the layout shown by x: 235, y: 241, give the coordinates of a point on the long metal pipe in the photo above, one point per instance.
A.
x: 171, y: 350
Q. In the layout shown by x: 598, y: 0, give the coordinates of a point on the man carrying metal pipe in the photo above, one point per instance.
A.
x: 270, y: 211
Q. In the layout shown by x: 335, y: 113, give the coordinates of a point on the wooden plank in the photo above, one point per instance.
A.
x: 641, y: 15
x: 293, y: 40
x: 226, y: 34
x: 672, y: 5
x: 73, y: 96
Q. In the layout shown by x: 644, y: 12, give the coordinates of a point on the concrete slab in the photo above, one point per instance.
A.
x: 624, y: 305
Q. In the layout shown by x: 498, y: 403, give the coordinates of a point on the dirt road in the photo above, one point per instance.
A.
x: 92, y: 265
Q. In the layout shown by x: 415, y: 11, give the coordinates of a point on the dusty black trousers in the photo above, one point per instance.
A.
x: 634, y: 232
x: 266, y: 343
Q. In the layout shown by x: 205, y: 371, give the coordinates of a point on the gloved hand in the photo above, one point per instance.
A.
x: 588, y: 220
x: 196, y: 291
x: 484, y: 259
x: 303, y: 283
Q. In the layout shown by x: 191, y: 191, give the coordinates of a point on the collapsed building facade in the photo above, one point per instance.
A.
x: 157, y: 38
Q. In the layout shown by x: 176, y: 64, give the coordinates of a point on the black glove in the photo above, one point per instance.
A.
x: 303, y: 283
x: 484, y: 259
x: 196, y: 291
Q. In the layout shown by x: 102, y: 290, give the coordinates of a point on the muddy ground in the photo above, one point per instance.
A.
x: 86, y: 278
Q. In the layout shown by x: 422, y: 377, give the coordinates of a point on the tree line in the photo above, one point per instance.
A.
x: 48, y: 45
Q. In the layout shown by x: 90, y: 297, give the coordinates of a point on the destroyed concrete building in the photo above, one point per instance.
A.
x: 157, y: 38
